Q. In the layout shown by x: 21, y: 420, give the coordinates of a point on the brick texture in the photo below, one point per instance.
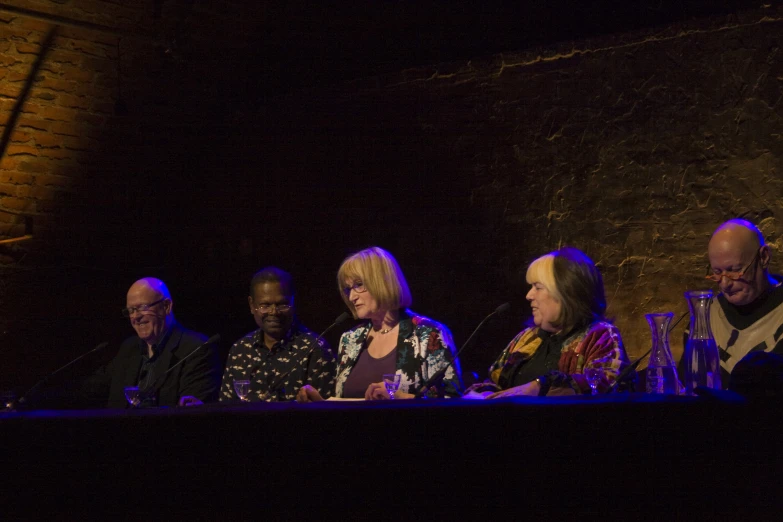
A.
x: 158, y: 148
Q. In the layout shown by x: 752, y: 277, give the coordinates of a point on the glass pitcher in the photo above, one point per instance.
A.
x: 702, y: 362
x: 661, y: 370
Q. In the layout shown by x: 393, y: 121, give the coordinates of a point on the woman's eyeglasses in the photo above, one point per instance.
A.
x: 358, y: 287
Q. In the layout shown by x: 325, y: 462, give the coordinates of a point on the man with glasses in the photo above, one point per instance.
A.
x: 160, y: 343
x: 275, y: 361
x: 747, y: 315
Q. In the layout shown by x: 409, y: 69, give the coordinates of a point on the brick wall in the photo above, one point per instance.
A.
x: 222, y: 158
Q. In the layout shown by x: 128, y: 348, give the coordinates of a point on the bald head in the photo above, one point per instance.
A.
x: 150, y: 300
x: 738, y: 246
x: 151, y: 284
x: 738, y: 233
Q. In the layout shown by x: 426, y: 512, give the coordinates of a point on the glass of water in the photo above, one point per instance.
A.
x: 7, y: 400
x: 392, y: 383
x: 594, y: 376
x: 132, y: 395
x: 243, y: 390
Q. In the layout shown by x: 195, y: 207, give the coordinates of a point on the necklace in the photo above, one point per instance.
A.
x: 385, y: 330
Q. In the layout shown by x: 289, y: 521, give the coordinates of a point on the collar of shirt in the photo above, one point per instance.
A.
x: 157, y: 348
x: 282, y: 344
x: 406, y: 324
x: 561, y: 336
x: 741, y: 317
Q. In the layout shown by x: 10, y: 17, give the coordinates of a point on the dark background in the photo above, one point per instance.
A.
x: 205, y: 140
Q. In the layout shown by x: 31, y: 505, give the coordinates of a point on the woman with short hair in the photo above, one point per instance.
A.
x: 569, y: 333
x: 392, y: 340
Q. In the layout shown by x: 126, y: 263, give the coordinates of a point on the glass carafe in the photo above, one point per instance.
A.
x: 702, y: 362
x: 661, y: 370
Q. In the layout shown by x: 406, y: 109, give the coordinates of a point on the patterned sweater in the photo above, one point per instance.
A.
x: 596, y: 346
x: 424, y: 346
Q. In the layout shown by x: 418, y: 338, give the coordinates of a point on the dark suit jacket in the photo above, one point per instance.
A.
x: 198, y: 376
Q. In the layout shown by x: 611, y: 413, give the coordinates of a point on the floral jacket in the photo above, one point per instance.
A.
x: 424, y: 346
x: 596, y: 346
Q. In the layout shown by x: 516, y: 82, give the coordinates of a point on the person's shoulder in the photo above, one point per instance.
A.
x: 603, y: 329
x: 130, y: 344
x: 601, y: 326
x: 421, y: 322
x: 189, y: 335
x: 303, y: 335
x: 246, y: 340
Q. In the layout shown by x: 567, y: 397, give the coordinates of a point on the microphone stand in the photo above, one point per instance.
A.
x: 438, y: 376
x: 148, y: 392
x: 22, y: 400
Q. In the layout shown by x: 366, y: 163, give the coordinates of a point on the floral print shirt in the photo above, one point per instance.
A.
x: 424, y: 346
x: 277, y: 374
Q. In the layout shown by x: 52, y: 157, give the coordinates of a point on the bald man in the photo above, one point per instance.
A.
x: 747, y: 315
x: 160, y: 342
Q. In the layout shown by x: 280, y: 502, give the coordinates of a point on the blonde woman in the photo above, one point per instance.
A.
x: 392, y: 339
x: 569, y: 334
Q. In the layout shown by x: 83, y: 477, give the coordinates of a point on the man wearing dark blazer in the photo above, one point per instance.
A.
x: 160, y: 343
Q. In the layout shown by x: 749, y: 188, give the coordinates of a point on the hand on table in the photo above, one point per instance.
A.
x: 530, y: 389
x: 308, y: 394
x: 189, y: 400
x: 377, y: 392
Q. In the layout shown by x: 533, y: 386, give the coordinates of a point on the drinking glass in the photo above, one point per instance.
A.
x: 594, y: 376
x: 392, y: 383
x: 7, y: 400
x: 132, y: 395
x: 243, y: 390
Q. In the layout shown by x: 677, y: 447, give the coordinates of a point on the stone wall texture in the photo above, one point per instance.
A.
x: 163, y: 143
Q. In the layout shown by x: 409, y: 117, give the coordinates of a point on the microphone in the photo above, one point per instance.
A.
x: 146, y: 393
x: 340, y: 320
x: 440, y: 373
x: 98, y: 348
x: 623, y: 374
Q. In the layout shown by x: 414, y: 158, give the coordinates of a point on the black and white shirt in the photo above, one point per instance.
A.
x: 277, y: 374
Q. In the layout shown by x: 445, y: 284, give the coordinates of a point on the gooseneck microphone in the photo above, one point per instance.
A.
x: 435, y: 379
x: 626, y: 371
x: 23, y: 399
x: 340, y: 320
x: 151, y: 390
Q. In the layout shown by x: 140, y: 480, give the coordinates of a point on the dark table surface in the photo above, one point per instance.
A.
x: 673, y: 457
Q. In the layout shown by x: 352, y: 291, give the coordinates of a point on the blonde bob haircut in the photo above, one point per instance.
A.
x: 381, y: 275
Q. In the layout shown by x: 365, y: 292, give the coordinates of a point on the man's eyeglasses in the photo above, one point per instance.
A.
x: 266, y: 308
x: 733, y: 276
x: 127, y: 312
x: 358, y: 287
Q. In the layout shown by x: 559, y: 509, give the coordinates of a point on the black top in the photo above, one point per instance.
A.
x: 198, y: 376
x: 545, y: 359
